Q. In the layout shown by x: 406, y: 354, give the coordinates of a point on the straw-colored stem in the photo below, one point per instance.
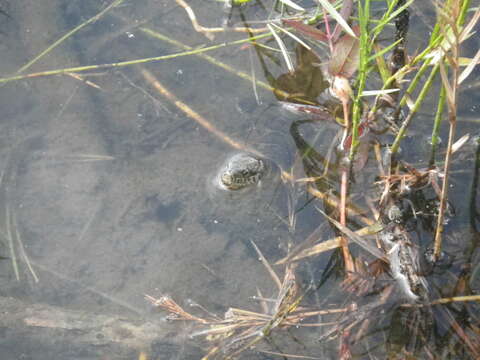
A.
x: 437, y: 247
x: 333, y: 201
x: 128, y: 63
x: 347, y: 256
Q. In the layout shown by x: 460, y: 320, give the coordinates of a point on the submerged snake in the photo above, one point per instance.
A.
x: 241, y: 171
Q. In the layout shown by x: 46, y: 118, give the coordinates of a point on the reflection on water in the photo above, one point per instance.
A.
x: 104, y: 196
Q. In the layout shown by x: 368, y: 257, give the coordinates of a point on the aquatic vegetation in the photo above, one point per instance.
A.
x: 345, y: 67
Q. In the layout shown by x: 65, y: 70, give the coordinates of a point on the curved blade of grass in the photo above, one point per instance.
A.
x: 466, y: 72
x: 336, y: 15
x: 291, y: 4
x: 22, y: 249
x: 378, y: 92
x: 280, y: 43
x: 384, y: 50
x: 390, y: 16
x: 294, y: 37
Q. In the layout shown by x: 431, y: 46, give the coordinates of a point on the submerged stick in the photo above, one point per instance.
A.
x: 77, y: 328
x: 194, y: 115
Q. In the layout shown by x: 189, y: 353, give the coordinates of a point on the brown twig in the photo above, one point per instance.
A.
x: 166, y: 302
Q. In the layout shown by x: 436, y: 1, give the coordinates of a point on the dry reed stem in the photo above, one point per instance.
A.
x: 241, y: 329
x: 333, y: 201
x: 373, y: 250
x: 167, y: 303
x: 327, y: 245
x: 437, y: 247
x: 194, y: 115
x: 347, y: 256
x: 265, y: 263
x: 451, y: 89
x: 209, y: 32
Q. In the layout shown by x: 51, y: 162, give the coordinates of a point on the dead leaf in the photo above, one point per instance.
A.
x: 307, y: 30
x: 345, y: 57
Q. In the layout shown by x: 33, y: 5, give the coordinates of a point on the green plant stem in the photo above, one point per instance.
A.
x: 463, y: 12
x: 365, y: 50
x: 413, y: 111
x: 413, y: 84
x: 435, y: 40
x: 130, y: 62
x: 438, y: 119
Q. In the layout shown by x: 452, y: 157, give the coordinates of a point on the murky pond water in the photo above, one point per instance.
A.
x: 105, y: 188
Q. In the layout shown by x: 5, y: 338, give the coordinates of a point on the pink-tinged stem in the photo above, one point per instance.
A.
x: 327, y: 29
